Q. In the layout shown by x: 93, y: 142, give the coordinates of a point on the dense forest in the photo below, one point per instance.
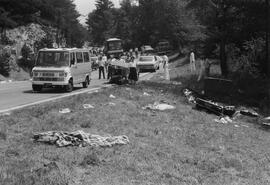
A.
x: 234, y: 31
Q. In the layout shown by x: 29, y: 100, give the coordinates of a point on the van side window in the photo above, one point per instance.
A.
x: 79, y: 57
x: 72, y: 59
x: 86, y: 57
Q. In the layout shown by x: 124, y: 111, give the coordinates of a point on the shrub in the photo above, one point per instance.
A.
x: 4, y: 64
x: 27, y: 61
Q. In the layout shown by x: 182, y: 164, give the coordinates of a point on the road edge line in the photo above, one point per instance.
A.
x: 50, y: 99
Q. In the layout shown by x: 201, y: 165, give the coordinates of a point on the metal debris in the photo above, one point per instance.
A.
x: 88, y: 106
x: 64, y: 111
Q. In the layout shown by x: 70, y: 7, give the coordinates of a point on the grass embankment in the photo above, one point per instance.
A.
x: 181, y: 146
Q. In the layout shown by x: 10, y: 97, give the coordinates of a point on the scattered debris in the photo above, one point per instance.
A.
x: 64, y: 111
x: 146, y: 94
x: 79, y: 138
x: 215, y: 107
x: 250, y: 113
x: 88, y: 106
x: 227, y: 113
x: 158, y: 106
x: 112, y: 104
x: 177, y: 83
x: 164, y: 101
x: 266, y: 121
x: 190, y: 96
x: 112, y: 96
x: 224, y: 120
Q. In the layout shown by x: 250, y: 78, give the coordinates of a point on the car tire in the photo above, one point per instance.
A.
x: 69, y: 87
x: 37, y: 88
x: 86, y: 82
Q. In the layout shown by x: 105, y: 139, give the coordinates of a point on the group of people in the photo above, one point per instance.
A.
x: 105, y: 65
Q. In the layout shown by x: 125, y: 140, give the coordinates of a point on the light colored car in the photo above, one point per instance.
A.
x: 149, y: 62
x: 61, y: 67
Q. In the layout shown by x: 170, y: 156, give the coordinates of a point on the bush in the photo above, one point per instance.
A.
x: 246, y: 61
x: 27, y: 61
x: 4, y: 64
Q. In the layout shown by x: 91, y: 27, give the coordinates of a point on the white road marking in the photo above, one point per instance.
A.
x: 144, y: 74
x: 51, y: 99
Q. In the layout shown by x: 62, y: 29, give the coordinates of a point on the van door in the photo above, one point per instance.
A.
x: 74, y: 68
x: 80, y: 66
x: 87, y: 64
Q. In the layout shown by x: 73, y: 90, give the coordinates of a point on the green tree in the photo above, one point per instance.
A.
x: 229, y: 21
x: 100, y: 21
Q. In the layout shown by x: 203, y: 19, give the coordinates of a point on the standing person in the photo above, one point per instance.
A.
x: 111, y: 59
x: 133, y: 75
x: 192, y: 61
x: 165, y: 61
x: 101, y: 65
x: 105, y: 60
x: 136, y: 53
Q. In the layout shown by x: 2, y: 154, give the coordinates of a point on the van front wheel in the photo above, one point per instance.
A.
x: 37, y: 88
x: 86, y: 82
x: 69, y: 87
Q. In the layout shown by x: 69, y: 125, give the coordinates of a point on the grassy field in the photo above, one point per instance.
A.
x: 182, y: 146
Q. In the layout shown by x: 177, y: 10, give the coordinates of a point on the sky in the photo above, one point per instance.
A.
x: 86, y: 6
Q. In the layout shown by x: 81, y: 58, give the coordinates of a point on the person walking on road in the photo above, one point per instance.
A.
x: 192, y: 61
x: 165, y: 61
x: 101, y: 65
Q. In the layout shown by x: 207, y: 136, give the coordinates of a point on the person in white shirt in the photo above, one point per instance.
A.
x: 105, y: 60
x: 165, y: 61
x: 192, y: 62
x: 101, y: 65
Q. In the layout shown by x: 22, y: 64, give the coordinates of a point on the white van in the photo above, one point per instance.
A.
x: 62, y: 68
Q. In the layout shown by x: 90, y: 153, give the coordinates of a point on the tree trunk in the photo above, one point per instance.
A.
x: 268, y: 39
x: 222, y: 57
x: 222, y: 44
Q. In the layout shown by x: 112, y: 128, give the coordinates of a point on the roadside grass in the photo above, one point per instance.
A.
x: 181, y: 146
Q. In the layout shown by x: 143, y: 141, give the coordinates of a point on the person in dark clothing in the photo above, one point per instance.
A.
x: 112, y: 59
x: 133, y: 75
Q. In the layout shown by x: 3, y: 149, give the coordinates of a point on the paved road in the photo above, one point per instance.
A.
x: 19, y: 94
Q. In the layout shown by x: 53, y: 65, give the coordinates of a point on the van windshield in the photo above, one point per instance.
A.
x: 53, y: 58
x: 115, y: 45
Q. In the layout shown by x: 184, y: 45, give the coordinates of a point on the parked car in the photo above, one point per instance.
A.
x: 149, y: 62
x: 62, y: 68
x: 147, y: 49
